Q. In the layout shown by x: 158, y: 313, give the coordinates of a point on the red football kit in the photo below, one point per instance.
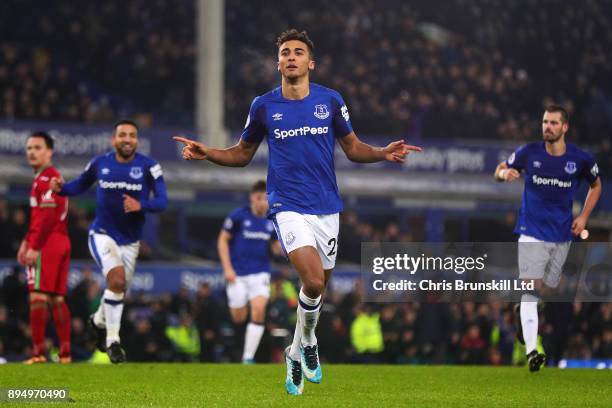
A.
x: 48, y: 233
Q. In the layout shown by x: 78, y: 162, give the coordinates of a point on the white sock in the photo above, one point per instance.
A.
x: 99, y: 318
x: 294, y: 352
x: 529, y: 321
x: 308, y: 311
x: 252, y: 337
x: 113, y: 308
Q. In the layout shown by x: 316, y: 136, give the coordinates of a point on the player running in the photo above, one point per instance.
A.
x: 301, y: 122
x: 125, y: 179
x: 243, y: 246
x: 553, y: 170
x: 45, y: 251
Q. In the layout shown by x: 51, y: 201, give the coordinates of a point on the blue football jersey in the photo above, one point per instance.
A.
x: 550, y: 185
x: 251, y: 236
x: 138, y: 178
x: 301, y: 137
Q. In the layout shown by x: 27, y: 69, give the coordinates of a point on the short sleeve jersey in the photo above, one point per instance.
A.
x: 301, y: 136
x: 550, y: 185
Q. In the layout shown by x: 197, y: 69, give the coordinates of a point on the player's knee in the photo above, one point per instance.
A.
x: 257, y: 315
x: 117, y: 284
x: 38, y: 297
x: 116, y: 280
x: 313, y: 286
x: 239, y: 315
x: 239, y: 319
x: 57, y: 300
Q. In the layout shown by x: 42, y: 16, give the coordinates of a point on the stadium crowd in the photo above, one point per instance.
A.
x: 406, y: 68
x: 196, y: 327
x: 145, y: 68
x: 455, y: 79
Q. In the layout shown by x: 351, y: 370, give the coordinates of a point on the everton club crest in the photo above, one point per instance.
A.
x: 136, y: 172
x: 570, y: 167
x: 321, y: 112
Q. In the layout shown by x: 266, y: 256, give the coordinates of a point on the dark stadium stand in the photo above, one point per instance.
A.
x: 412, y: 69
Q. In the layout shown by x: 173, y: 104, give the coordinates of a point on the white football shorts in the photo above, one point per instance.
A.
x: 296, y: 230
x: 109, y: 255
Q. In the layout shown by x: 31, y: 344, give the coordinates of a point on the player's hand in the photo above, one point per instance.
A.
x: 397, y: 151
x: 578, y: 225
x: 56, y: 184
x: 230, y: 275
x: 31, y: 256
x: 130, y: 204
x: 192, y: 150
x: 21, y: 253
x: 509, y: 174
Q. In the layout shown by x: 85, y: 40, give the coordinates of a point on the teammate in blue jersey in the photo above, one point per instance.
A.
x: 244, y: 245
x: 125, y: 180
x: 301, y: 122
x: 553, y: 170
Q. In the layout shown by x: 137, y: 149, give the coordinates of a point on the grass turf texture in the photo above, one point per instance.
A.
x: 343, y: 385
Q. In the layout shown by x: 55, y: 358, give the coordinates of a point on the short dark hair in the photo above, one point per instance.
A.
x: 124, y: 122
x: 44, y: 135
x: 258, y: 187
x: 293, y: 34
x: 560, y: 109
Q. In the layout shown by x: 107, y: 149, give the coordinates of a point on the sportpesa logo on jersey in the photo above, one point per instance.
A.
x: 119, y: 185
x: 555, y: 182
x: 256, y: 235
x: 303, y: 131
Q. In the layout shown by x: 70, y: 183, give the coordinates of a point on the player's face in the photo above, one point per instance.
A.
x: 294, y: 59
x: 553, y: 128
x: 38, y: 154
x: 125, y: 140
x: 259, y: 202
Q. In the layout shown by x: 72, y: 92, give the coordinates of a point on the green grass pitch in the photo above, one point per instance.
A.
x: 206, y: 385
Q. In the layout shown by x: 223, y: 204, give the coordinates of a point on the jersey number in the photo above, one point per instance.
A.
x: 332, y: 243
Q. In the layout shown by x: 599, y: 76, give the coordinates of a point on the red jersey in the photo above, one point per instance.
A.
x: 49, y: 210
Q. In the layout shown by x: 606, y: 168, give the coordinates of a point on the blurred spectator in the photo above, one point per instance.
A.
x: 181, y: 302
x: 84, y: 299
x: 185, y: 338
x: 18, y: 229
x: 207, y: 315
x: 604, y: 347
x: 366, y: 336
x: 5, y: 225
x: 15, y: 294
x: 473, y: 347
x: 78, y: 230
x: 141, y: 345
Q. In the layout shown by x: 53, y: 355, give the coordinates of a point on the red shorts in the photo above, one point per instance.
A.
x: 50, y: 274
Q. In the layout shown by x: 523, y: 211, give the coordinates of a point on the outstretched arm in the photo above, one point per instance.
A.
x: 361, y: 152
x: 238, y: 155
x: 77, y: 186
